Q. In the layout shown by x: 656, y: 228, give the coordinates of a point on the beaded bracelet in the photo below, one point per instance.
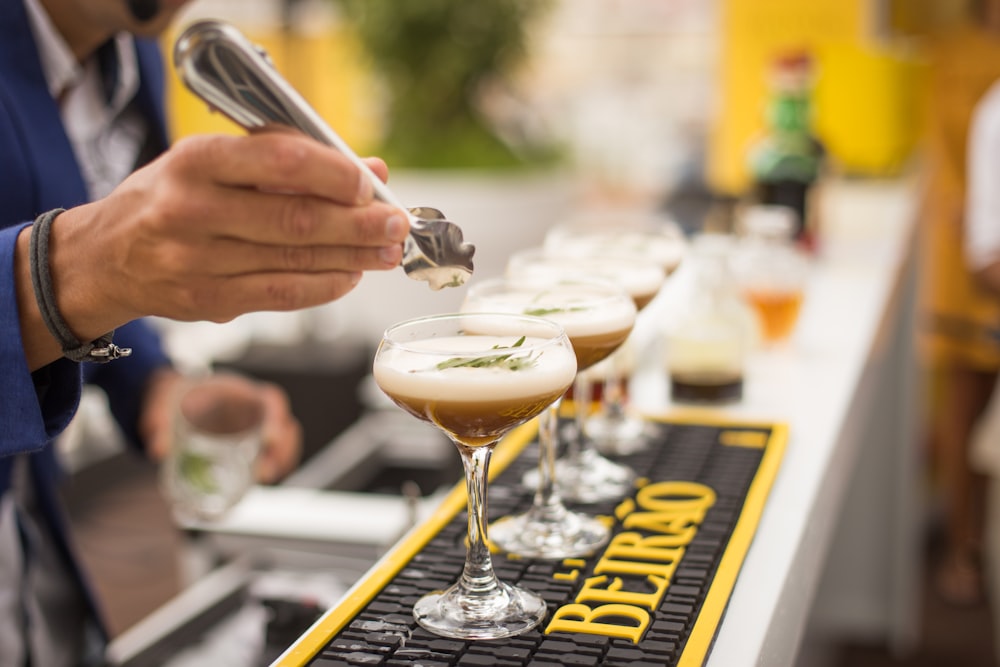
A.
x: 101, y: 350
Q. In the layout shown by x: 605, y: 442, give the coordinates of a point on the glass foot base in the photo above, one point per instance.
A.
x: 504, y: 612
x: 593, y: 478
x: 618, y: 436
x: 568, y: 535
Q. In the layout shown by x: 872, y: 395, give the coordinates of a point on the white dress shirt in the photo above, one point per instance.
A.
x: 982, y: 219
x: 105, y: 132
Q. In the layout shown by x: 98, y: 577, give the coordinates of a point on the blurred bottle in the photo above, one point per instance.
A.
x: 708, y: 335
x: 770, y: 270
x: 786, y: 162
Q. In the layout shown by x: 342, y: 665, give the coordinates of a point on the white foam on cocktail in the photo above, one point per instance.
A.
x: 573, y: 306
x: 664, y: 250
x: 639, y: 279
x: 412, y: 370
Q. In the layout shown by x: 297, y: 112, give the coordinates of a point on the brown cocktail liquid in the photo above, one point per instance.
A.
x: 706, y: 387
x: 777, y: 312
x: 592, y: 349
x: 597, y: 392
x: 643, y: 300
x: 476, y: 423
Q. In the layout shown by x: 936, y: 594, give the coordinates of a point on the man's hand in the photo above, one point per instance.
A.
x: 216, y: 227
x: 282, y: 433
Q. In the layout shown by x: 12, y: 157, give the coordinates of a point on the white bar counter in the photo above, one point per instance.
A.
x: 836, y: 554
x: 837, y: 548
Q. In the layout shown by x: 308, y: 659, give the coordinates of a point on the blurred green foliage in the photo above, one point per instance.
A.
x: 434, y: 57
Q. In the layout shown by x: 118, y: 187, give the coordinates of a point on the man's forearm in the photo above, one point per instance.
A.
x: 40, y: 348
x: 87, y: 314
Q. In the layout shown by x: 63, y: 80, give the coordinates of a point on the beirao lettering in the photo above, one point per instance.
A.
x: 673, y: 509
x: 581, y: 618
x: 635, y: 570
x: 592, y: 592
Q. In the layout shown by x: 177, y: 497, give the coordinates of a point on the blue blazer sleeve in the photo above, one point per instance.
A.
x: 35, y: 407
x: 124, y: 380
x: 39, y: 172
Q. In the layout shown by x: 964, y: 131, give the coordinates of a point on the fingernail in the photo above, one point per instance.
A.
x: 354, y: 278
x: 390, y: 254
x: 395, y: 228
x: 365, y: 191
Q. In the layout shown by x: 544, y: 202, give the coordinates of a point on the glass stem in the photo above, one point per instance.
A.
x: 613, y: 396
x: 581, y: 398
x: 478, y: 578
x: 548, y: 504
x: 614, y: 399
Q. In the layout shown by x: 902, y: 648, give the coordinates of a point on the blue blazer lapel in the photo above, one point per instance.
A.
x: 150, y: 97
x: 47, y: 151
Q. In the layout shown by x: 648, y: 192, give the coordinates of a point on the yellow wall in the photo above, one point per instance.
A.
x: 326, y: 67
x: 868, y: 107
x: 863, y: 90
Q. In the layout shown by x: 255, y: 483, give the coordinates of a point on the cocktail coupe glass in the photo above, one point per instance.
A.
x: 583, y: 474
x: 475, y: 377
x: 597, y: 317
x: 645, y: 237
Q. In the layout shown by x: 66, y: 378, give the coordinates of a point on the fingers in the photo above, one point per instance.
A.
x: 221, y: 280
x: 290, y: 219
x: 282, y: 437
x: 231, y: 257
x: 379, y: 166
x: 220, y: 226
x: 281, y: 188
x: 155, y: 421
x: 275, y: 161
x: 222, y: 299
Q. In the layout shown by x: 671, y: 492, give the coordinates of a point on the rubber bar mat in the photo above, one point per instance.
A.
x: 655, y: 595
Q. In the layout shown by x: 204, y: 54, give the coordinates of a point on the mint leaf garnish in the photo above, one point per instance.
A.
x: 542, y: 312
x: 507, y: 361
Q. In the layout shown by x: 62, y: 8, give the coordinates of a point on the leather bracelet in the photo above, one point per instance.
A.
x: 101, y: 350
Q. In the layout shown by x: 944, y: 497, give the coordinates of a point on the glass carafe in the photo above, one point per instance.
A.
x: 709, y: 332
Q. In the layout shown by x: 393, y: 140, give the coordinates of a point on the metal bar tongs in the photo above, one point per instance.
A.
x: 236, y: 77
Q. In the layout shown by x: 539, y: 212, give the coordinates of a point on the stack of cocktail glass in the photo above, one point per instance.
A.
x: 476, y: 376
x: 642, y: 237
x: 519, y: 344
x: 597, y: 317
x: 583, y: 474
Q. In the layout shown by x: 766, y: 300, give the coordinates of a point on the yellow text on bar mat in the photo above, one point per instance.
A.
x: 655, y: 595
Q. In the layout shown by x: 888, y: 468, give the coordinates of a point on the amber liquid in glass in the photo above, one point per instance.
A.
x: 777, y: 312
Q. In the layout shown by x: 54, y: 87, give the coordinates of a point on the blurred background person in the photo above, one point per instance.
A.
x: 982, y: 250
x: 955, y: 310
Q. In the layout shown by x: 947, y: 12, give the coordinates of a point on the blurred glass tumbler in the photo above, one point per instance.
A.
x: 771, y: 270
x: 216, y: 437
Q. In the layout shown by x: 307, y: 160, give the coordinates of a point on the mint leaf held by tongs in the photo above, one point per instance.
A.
x: 507, y: 361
